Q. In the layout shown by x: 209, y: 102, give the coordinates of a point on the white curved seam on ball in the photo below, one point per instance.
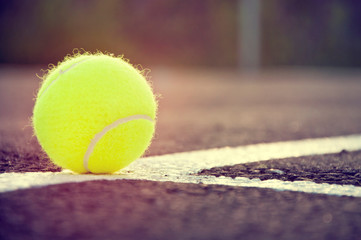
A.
x: 99, y: 135
x: 61, y: 72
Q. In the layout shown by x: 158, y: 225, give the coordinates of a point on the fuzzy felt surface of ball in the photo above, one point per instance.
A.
x: 94, y: 113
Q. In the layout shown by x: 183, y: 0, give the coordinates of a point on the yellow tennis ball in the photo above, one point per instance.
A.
x: 94, y: 113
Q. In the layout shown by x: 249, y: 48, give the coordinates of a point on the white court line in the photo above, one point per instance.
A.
x: 179, y: 167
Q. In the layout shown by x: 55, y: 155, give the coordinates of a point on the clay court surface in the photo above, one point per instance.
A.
x: 198, y: 110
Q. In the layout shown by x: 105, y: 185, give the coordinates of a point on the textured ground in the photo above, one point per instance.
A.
x: 149, y: 210
x: 343, y: 168
x: 198, y: 110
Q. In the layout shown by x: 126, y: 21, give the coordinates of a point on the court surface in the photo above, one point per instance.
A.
x: 274, y: 155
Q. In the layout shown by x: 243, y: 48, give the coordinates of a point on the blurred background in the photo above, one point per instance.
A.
x: 203, y: 56
x: 239, y: 34
x: 226, y: 72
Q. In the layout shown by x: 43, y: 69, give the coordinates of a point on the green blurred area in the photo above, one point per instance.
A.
x: 190, y: 33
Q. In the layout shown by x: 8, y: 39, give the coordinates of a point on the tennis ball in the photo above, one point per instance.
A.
x: 94, y: 113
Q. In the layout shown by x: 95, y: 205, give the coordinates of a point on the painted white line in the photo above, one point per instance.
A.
x: 192, y: 162
x: 179, y: 167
